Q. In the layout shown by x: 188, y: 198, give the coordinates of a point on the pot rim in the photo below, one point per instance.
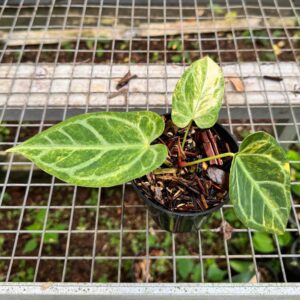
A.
x: 185, y: 213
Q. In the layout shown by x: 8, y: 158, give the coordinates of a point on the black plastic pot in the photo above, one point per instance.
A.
x: 186, y: 221
x: 292, y: 264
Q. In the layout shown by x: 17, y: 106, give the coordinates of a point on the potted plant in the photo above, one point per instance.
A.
x: 184, y: 166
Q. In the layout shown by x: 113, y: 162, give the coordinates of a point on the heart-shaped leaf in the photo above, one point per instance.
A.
x: 198, y: 94
x: 98, y: 149
x: 260, y: 184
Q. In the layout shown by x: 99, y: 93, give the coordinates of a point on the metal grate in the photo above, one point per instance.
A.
x: 48, y: 77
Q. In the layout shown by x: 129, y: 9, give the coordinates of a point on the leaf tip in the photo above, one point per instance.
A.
x: 208, y: 58
x: 11, y: 150
x: 15, y: 149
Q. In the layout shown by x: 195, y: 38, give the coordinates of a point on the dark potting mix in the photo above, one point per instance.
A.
x: 191, y: 188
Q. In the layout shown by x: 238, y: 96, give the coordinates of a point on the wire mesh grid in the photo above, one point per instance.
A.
x: 52, y: 231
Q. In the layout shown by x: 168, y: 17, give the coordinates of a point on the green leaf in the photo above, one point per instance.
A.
x: 196, y: 275
x: 260, y: 184
x: 175, y: 44
x: 296, y: 190
x: 67, y: 45
x: 51, y: 238
x: 285, y: 239
x: 294, y: 155
x: 167, y: 242
x: 30, y: 246
x: 184, y: 267
x: 215, y: 274
x: 40, y: 215
x: 241, y: 266
x: 35, y: 226
x: 90, y: 44
x: 152, y: 240
x: 263, y: 242
x: 198, y: 94
x: 277, y: 33
x: 98, y: 149
x: 295, y: 176
x: 99, y: 53
x: 218, y: 9
x: 231, y: 16
x: 243, y: 277
x: 176, y: 58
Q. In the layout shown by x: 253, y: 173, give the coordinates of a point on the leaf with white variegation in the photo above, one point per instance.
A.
x: 98, y: 149
x: 260, y: 184
x: 198, y: 94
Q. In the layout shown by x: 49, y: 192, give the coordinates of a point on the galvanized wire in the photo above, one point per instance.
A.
x: 74, y: 15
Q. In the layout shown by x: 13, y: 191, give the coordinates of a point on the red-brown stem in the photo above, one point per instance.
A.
x: 200, y: 185
x: 181, y: 153
x: 215, y: 146
x: 207, y: 146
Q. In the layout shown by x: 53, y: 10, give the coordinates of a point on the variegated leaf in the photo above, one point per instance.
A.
x: 198, y: 94
x: 98, y: 149
x: 260, y: 184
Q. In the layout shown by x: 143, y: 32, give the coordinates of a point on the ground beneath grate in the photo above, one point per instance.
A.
x: 107, y: 245
x: 282, y: 45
